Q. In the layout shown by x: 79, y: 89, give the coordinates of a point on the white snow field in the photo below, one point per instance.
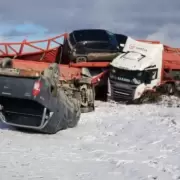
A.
x: 116, y: 142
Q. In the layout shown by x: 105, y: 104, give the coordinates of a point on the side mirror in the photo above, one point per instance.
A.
x: 122, y: 45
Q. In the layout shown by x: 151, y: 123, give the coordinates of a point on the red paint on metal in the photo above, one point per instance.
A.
x: 90, y: 64
x: 46, y: 54
x: 66, y: 72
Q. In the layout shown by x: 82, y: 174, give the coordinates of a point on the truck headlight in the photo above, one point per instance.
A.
x: 113, y: 70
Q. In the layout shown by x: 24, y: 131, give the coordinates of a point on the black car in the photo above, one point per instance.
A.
x: 93, y: 45
x: 36, y: 103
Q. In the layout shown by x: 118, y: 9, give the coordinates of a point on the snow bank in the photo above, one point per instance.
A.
x: 116, y: 142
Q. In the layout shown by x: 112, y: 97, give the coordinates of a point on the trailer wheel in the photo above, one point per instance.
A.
x: 170, y: 87
x: 87, y: 98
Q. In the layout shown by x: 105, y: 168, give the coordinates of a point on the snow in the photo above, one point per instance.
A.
x: 116, y: 142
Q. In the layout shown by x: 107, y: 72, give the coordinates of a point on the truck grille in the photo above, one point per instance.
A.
x: 121, y: 93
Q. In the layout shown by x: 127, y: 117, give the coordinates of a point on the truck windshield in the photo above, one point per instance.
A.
x: 133, y: 77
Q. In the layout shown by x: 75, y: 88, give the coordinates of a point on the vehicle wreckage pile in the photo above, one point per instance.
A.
x: 46, y: 85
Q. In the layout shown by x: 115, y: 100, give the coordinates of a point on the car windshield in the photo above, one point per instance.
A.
x: 112, y: 39
x: 121, y: 38
x: 91, y: 35
x: 133, y: 77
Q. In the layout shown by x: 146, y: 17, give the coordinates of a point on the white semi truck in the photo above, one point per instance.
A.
x: 140, y: 69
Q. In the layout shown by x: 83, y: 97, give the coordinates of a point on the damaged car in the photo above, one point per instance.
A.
x: 90, y: 45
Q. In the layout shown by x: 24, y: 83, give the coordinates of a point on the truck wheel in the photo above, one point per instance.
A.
x: 145, y: 98
x: 6, y: 63
x: 81, y: 59
x: 170, y: 88
x: 87, y: 109
x: 87, y: 98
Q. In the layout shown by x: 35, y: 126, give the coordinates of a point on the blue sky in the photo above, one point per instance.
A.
x: 19, y: 32
x: 155, y: 19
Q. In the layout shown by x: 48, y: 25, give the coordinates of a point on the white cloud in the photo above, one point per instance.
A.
x: 168, y: 34
x: 137, y: 18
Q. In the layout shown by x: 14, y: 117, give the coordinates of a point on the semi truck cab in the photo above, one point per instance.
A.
x: 137, y: 69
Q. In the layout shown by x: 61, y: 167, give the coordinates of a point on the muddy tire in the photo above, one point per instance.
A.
x: 73, y: 122
x: 72, y: 115
x: 148, y: 97
x: 90, y: 108
x: 145, y: 98
x: 6, y: 63
x: 87, y: 109
x: 52, y: 127
x: 170, y: 87
x: 87, y: 98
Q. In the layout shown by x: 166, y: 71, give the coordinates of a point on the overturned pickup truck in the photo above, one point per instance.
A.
x: 31, y: 99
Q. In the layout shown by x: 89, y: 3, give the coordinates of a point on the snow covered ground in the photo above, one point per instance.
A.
x: 116, y: 142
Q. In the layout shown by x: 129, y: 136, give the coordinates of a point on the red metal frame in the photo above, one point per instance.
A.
x: 171, y: 60
x: 46, y: 54
x: 172, y: 50
x: 90, y: 64
x: 150, y: 41
x: 66, y: 72
x: 49, y: 54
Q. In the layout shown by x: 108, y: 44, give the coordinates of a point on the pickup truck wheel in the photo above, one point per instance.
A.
x: 73, y: 123
x: 71, y: 115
